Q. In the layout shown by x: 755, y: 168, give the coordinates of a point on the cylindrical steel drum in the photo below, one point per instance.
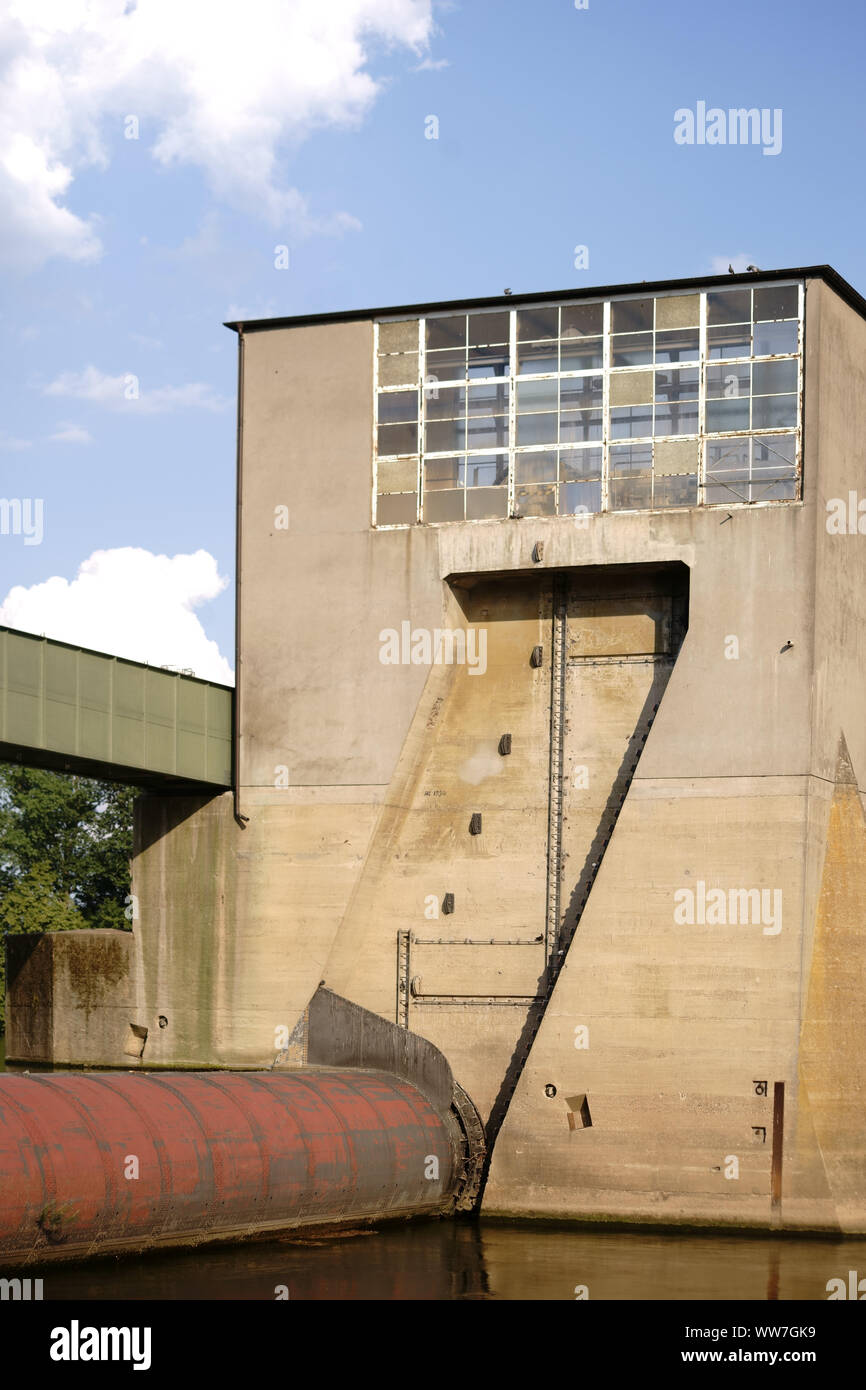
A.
x: 99, y: 1161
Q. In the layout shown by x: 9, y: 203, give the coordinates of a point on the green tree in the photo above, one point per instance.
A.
x: 65, y: 846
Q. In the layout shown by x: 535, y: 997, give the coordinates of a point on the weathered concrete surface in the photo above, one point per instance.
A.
x: 829, y: 1159
x: 734, y: 787
x: 450, y: 768
x: 344, y: 847
x: 68, y: 996
x: 681, y: 1021
x: 235, y: 924
x: 314, y: 696
x: 475, y: 971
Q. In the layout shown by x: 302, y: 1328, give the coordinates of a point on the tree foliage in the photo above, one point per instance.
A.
x: 65, y: 847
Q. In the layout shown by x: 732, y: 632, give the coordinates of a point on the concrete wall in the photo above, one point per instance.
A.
x: 474, y: 972
x: 358, y: 779
x: 736, y: 786
x: 69, y: 997
x: 828, y: 1157
x: 315, y: 595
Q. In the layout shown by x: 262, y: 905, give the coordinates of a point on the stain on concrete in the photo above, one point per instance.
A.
x: 833, y: 1036
x: 94, y: 966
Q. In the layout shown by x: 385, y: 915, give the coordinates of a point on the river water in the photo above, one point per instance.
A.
x: 457, y: 1260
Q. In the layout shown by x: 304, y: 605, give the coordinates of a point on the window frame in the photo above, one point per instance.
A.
x: 608, y: 373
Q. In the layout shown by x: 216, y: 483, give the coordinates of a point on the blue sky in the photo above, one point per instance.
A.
x: 288, y: 122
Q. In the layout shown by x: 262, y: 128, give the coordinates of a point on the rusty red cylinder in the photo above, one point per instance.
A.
x: 108, y: 1161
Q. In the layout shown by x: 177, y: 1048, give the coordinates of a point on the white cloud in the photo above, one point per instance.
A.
x: 70, y: 434
x: 740, y: 262
x: 14, y: 445
x: 131, y: 603
x: 431, y: 65
x: 226, y: 87
x: 126, y: 392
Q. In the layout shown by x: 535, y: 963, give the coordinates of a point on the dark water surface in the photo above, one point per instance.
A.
x: 448, y: 1260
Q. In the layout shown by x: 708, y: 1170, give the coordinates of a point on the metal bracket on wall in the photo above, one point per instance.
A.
x: 776, y: 1160
x: 559, y: 619
x: 521, y: 1001
x: 403, y: 939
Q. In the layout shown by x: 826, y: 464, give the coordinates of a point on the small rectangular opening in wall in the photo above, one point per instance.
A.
x: 578, y: 1112
x: 135, y: 1041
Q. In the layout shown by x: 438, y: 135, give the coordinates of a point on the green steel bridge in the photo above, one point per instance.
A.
x: 69, y: 709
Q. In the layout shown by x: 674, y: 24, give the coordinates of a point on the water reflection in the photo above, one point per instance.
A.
x: 458, y: 1260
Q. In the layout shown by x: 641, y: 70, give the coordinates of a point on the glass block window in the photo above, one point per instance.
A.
x: 633, y: 404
